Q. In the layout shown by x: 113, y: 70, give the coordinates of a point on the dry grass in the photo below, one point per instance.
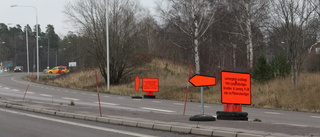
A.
x: 173, y: 80
x: 280, y: 93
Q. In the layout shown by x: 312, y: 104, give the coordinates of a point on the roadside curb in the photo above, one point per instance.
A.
x: 132, y: 123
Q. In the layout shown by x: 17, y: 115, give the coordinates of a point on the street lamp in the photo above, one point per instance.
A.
x: 107, y: 45
x: 37, y: 26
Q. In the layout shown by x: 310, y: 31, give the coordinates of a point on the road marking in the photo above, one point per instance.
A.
x: 106, y: 96
x: 58, y: 90
x: 105, y: 103
x: 84, y: 94
x: 204, y: 106
x: 6, y: 88
x: 162, y: 110
x: 296, y: 125
x: 137, y: 99
x: 45, y: 95
x: 178, y: 103
x: 121, y: 98
x: 78, y: 124
x: 30, y: 92
x: 70, y: 98
x: 15, y: 90
x: 66, y: 91
x: 74, y: 92
x: 315, y: 116
x: 53, y: 89
x: 157, y: 101
x: 274, y: 113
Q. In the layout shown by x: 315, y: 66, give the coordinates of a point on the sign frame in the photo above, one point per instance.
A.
x: 237, y: 92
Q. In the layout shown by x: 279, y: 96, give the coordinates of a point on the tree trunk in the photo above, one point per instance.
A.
x: 249, y: 36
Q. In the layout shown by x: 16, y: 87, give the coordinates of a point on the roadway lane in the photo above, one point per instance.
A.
x: 17, y: 124
x: 11, y: 85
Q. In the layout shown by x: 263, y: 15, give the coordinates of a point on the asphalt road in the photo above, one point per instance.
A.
x: 287, y: 122
x: 17, y: 124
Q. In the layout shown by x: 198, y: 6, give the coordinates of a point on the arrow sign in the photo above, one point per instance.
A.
x: 201, y: 80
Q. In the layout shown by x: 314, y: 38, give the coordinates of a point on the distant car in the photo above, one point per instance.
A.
x: 18, y: 69
x: 58, y: 69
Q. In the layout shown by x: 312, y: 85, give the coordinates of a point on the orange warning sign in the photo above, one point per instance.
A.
x: 137, y: 83
x: 235, y: 88
x: 150, y: 84
x: 201, y: 80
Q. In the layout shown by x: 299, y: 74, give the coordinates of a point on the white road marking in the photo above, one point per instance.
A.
x: 178, y: 103
x: 15, y: 90
x: 74, y: 92
x: 78, y: 124
x: 30, y: 92
x: 137, y: 99
x: 273, y: 113
x: 105, y: 103
x: 45, y: 95
x: 94, y: 94
x: 121, y: 98
x: 296, y: 125
x: 66, y: 91
x: 157, y: 101
x: 162, y: 110
x: 204, y: 106
x: 106, y: 96
x: 315, y: 116
x: 6, y: 88
x: 70, y: 98
x: 84, y: 93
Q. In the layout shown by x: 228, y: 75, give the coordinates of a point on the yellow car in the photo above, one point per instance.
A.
x: 58, y: 69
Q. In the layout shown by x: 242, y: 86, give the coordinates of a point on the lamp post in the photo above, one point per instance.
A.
x: 107, y: 45
x: 37, y: 26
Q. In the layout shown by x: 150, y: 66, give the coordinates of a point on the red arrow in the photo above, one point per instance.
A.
x: 201, y: 80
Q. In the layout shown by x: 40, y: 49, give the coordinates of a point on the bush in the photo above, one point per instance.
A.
x: 280, y: 66
x: 262, y: 70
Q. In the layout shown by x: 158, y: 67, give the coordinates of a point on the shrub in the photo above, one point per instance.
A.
x: 262, y: 70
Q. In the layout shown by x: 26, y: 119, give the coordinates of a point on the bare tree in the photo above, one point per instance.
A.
x: 291, y: 18
x: 248, y: 14
x: 90, y: 17
x: 193, y: 18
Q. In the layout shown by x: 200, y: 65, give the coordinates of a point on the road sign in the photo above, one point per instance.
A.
x: 150, y: 84
x: 137, y: 85
x: 235, y: 88
x: 201, y: 80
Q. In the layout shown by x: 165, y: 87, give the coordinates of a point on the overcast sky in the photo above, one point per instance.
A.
x: 49, y: 12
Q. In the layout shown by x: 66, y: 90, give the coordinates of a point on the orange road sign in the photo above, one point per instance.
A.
x: 201, y: 80
x: 137, y: 85
x: 235, y: 88
x: 150, y: 84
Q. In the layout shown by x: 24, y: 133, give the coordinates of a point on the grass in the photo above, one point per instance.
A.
x: 173, y: 81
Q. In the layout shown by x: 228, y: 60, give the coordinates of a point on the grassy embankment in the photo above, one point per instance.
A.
x: 173, y: 79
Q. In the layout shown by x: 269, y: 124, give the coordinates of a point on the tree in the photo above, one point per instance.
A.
x: 291, y: 20
x: 249, y: 17
x: 193, y: 18
x: 262, y: 70
x: 90, y: 17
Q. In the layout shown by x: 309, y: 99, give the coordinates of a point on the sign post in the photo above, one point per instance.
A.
x: 235, y: 92
x: 201, y: 81
x: 137, y: 88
